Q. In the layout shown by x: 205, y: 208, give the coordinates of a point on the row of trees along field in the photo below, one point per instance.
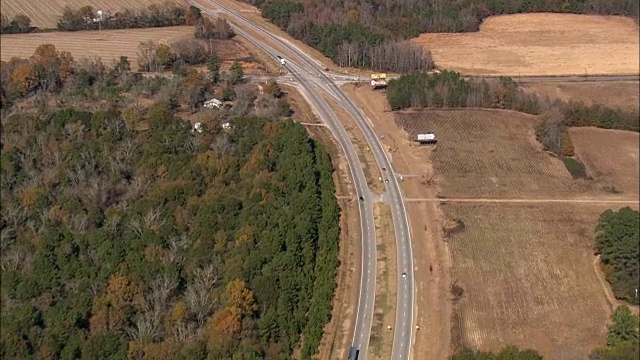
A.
x: 450, y: 90
x: 166, y: 14
x: 351, y: 32
x: 623, y: 337
x: 617, y: 244
x: 126, y: 235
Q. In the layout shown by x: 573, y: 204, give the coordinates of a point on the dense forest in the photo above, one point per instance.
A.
x: 342, y: 29
x: 617, y: 244
x: 126, y: 234
x: 507, y: 353
x: 623, y: 338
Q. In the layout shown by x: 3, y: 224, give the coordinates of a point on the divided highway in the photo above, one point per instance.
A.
x: 310, y: 76
x: 326, y: 114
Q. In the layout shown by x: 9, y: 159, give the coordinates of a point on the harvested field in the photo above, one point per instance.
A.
x: 611, y: 157
x: 45, y: 14
x: 111, y: 44
x: 540, y: 44
x: 489, y: 154
x: 528, y: 278
x: 616, y: 94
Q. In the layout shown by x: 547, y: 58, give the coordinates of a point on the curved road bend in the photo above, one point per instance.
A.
x: 405, y: 297
x: 366, y: 300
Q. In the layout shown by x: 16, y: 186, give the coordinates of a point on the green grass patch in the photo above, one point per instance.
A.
x: 575, y: 167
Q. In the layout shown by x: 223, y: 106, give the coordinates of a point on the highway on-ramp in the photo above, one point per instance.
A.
x: 311, y: 77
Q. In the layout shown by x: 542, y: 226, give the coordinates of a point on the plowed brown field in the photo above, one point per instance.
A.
x: 111, y: 44
x: 45, y: 14
x: 526, y: 270
x: 540, y: 44
x: 620, y: 94
x: 528, y: 278
x: 611, y: 157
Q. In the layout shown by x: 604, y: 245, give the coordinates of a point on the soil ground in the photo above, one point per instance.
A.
x: 432, y: 312
x: 527, y: 278
x: 611, y: 157
x: 540, y: 44
x: 338, y: 332
x: 523, y: 260
x: 45, y: 14
x: 616, y: 94
x: 381, y: 341
x: 112, y: 44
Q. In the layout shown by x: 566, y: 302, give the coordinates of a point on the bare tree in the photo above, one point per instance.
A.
x: 152, y: 219
x: 199, y: 303
x: 147, y: 55
x: 221, y: 145
x: 136, y: 226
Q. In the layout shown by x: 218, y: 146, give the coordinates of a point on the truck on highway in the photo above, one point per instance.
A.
x: 281, y: 59
x: 353, y: 353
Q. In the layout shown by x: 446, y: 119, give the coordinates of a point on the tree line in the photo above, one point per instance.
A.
x: 617, y: 244
x: 87, y: 18
x: 347, y: 43
x: 126, y: 235
x: 622, y: 337
x: 450, y: 90
x: 18, y: 25
x: 340, y: 29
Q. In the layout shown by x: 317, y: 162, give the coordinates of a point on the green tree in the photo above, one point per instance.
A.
x: 622, y: 337
x: 213, y: 65
x: 617, y: 243
x: 236, y: 73
x: 624, y: 327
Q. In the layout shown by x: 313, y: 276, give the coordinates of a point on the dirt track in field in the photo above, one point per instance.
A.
x: 540, y: 44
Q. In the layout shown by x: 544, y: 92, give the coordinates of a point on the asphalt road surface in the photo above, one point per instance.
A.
x: 312, y: 77
x: 323, y: 110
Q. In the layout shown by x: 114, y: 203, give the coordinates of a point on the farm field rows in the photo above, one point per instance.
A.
x: 525, y: 273
x: 111, y: 44
x: 540, y: 44
x: 616, y: 94
x: 611, y: 158
x: 528, y: 278
x: 45, y: 14
x: 488, y: 154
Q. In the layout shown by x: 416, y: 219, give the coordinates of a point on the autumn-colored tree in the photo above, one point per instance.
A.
x: 239, y: 296
x: 225, y: 324
x: 246, y: 235
x: 567, y: 148
x: 28, y: 197
x: 122, y: 291
x: 24, y: 78
x: 106, y: 317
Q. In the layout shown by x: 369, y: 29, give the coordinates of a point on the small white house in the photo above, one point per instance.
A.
x: 213, y: 103
x: 197, y: 127
x: 226, y: 126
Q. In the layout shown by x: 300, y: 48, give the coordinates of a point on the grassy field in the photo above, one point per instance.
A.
x: 611, y: 158
x: 528, y: 278
x: 620, y: 94
x: 45, y: 14
x: 540, y: 44
x: 489, y: 154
